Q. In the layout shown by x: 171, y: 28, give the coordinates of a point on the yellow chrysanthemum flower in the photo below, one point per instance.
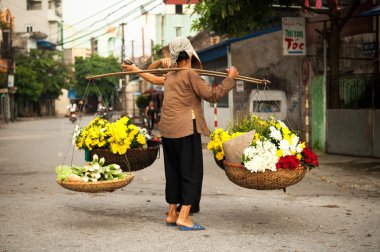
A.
x: 285, y: 130
x: 141, y: 139
x: 219, y: 155
x: 210, y: 145
x: 303, y: 145
x: 279, y: 153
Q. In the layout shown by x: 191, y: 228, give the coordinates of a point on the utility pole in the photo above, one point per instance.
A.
x: 143, y: 44
x: 11, y: 88
x: 61, y: 35
x: 63, y: 50
x: 123, y: 79
x: 122, y: 43
x: 133, y: 50
x: 151, y: 50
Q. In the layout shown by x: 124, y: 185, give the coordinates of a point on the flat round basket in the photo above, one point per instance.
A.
x: 99, y: 186
x: 137, y: 158
x: 267, y: 180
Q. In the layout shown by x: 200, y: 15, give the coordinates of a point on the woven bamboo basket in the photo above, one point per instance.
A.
x: 219, y: 163
x: 99, y: 186
x: 135, y: 159
x: 267, y: 180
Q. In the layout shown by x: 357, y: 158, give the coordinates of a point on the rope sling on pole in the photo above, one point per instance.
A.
x: 166, y: 70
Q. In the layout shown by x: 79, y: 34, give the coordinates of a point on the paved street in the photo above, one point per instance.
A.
x: 334, y: 208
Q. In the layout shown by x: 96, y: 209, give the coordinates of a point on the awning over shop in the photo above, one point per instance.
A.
x: 72, y: 94
x: 44, y: 44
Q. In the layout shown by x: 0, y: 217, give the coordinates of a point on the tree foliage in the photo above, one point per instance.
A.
x: 142, y: 101
x: 93, y: 66
x: 338, y: 18
x: 240, y: 17
x: 40, y: 74
x: 231, y: 17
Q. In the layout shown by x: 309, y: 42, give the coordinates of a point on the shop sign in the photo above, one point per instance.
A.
x: 293, y: 36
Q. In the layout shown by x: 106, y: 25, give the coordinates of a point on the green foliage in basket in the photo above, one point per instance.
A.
x: 92, y: 172
x: 245, y: 122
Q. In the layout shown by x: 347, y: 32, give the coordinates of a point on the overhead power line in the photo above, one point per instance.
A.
x: 85, y: 42
x: 85, y: 19
x: 114, y: 21
x: 100, y: 20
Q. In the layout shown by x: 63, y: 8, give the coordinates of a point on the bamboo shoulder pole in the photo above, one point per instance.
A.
x: 166, y: 70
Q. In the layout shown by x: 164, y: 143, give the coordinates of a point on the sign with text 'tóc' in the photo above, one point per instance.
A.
x: 293, y: 36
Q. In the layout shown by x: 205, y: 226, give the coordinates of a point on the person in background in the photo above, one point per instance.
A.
x: 182, y: 122
x: 72, y: 107
x: 151, y: 115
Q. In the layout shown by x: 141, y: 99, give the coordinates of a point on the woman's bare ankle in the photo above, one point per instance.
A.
x: 172, y: 214
x: 183, y: 217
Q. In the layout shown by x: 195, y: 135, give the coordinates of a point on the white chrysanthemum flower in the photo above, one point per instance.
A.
x: 284, y: 146
x: 260, y: 157
x: 77, y: 131
x: 282, y: 124
x: 295, y: 140
x: 144, y: 132
x: 275, y: 133
x: 299, y: 148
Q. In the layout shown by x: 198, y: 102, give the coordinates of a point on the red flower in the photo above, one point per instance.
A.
x: 288, y: 162
x: 310, y: 158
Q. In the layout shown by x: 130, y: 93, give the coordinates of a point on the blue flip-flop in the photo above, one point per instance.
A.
x: 195, y: 227
x: 171, y: 224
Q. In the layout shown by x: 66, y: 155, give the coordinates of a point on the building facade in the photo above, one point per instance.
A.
x: 7, y: 66
x: 38, y: 23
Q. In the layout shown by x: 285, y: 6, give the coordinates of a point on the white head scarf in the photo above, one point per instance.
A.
x: 180, y: 44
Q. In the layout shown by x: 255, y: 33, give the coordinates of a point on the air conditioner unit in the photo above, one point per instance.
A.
x: 267, y: 103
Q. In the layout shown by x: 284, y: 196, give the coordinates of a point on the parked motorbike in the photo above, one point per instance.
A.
x: 104, y: 113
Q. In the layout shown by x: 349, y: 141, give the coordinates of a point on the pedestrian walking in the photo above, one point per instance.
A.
x: 182, y: 122
x: 151, y: 115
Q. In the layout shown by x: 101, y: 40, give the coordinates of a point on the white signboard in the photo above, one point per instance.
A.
x: 239, y: 86
x: 293, y: 36
x: 11, y: 80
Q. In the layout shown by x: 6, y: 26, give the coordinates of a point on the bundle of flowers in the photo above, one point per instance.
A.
x: 274, y: 146
x: 119, y: 136
x: 218, y: 137
x: 92, y: 172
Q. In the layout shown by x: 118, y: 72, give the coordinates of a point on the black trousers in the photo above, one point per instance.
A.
x: 150, y: 122
x: 183, y: 169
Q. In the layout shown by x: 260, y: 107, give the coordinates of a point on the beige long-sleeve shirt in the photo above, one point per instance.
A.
x: 183, y: 93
